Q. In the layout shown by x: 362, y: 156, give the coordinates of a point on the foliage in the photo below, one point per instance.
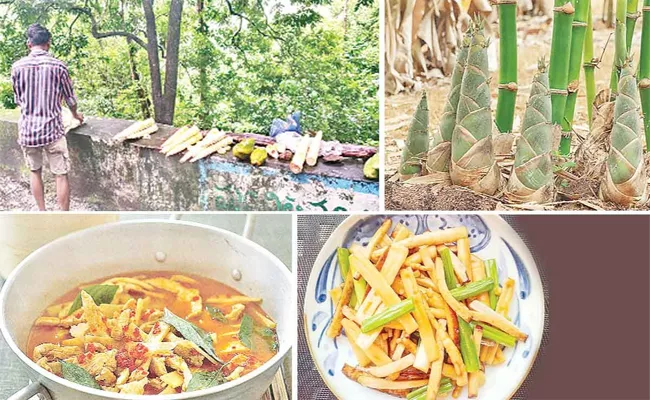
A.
x: 6, y: 95
x: 242, y: 62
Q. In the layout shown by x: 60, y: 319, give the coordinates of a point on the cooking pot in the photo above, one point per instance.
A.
x: 126, y: 247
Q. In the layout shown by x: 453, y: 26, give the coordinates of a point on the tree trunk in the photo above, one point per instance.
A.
x: 154, y: 61
x: 203, y: 75
x: 145, y: 104
x: 171, y: 63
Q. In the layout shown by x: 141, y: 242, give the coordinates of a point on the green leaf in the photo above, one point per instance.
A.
x: 246, y: 331
x: 267, y: 332
x: 192, y: 333
x: 77, y: 374
x: 101, y: 294
x: 216, y: 314
x: 204, y: 380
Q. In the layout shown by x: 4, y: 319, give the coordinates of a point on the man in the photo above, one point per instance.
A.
x: 41, y: 83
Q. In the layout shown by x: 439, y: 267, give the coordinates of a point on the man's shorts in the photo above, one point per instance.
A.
x: 56, y: 153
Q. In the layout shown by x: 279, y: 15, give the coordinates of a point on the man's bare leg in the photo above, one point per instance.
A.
x: 36, y: 182
x: 63, y: 192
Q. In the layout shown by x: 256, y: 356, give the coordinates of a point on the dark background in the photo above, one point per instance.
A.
x: 596, y: 270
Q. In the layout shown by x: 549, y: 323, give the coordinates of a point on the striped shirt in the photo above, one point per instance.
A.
x: 41, y: 83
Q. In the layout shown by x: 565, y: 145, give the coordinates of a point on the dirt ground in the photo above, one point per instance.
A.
x: 15, y: 195
x: 534, y: 41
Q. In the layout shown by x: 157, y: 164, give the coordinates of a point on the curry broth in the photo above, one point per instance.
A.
x: 227, y: 332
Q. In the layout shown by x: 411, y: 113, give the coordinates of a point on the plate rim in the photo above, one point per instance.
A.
x: 350, y: 220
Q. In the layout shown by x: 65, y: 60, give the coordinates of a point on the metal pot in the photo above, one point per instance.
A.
x: 126, y: 247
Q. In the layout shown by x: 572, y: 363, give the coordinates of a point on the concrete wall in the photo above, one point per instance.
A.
x: 135, y: 176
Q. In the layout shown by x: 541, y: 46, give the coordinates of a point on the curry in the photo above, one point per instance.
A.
x: 153, y: 333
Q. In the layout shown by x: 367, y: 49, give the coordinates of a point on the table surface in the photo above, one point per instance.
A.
x: 313, y: 232
x: 271, y: 231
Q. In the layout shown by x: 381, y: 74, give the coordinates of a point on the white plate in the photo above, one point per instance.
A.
x: 490, y: 237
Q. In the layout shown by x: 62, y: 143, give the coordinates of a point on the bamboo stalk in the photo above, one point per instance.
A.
x: 473, y: 164
x: 417, y: 142
x: 625, y: 178
x: 531, y: 179
x: 558, y: 73
x: 644, y: 70
x: 507, y: 65
x: 589, y: 65
x: 630, y: 22
x: 314, y: 148
x: 620, y: 50
x: 440, y: 143
x: 298, y: 160
x: 579, y: 26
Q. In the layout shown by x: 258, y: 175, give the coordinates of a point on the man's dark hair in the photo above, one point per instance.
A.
x: 38, y: 35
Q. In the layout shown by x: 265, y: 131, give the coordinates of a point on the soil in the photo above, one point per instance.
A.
x: 534, y: 38
x: 404, y: 197
x: 15, y: 195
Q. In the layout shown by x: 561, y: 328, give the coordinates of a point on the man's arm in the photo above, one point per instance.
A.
x: 16, y: 86
x: 68, y: 94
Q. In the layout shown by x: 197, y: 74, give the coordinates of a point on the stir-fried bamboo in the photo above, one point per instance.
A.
x: 428, y: 323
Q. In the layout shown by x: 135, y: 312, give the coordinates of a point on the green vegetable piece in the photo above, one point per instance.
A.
x: 472, y: 289
x: 246, y: 331
x: 420, y: 394
x: 243, y: 149
x: 205, y: 380
x: 390, y: 314
x: 216, y: 314
x: 77, y: 374
x: 496, y: 335
x: 258, y: 156
x: 371, y: 167
x: 101, y: 294
x: 467, y: 346
x: 343, y: 256
x: 450, y: 275
x: 194, y: 334
x: 491, y: 268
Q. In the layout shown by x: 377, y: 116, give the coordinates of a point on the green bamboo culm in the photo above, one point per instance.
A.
x: 507, y: 65
x: 620, y: 49
x: 625, y: 179
x: 644, y: 70
x: 589, y: 66
x: 575, y: 62
x: 473, y: 163
x: 417, y: 142
x: 440, y: 141
x: 531, y: 179
x: 630, y: 22
x: 558, y: 72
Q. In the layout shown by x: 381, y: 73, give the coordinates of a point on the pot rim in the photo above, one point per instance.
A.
x: 276, y: 359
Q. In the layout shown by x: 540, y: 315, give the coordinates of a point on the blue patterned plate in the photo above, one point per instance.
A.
x: 490, y: 237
